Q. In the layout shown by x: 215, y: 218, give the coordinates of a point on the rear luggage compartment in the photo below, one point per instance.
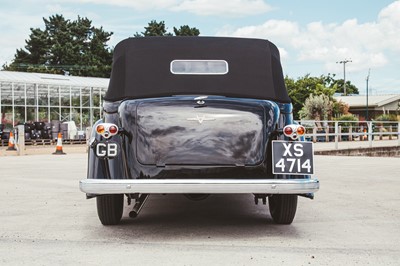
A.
x: 220, y: 132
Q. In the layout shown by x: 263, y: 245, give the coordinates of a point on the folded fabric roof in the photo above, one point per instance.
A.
x: 141, y: 68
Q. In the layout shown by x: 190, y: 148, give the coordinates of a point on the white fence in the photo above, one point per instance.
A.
x: 337, y: 131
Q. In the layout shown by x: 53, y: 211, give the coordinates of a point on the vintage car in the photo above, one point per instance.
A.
x: 197, y: 116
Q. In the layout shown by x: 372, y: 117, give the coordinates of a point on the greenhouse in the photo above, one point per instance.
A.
x: 31, y: 97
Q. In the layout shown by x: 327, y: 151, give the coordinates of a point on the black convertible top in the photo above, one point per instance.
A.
x: 141, y: 68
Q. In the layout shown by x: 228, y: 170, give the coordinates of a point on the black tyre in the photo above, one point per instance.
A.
x: 282, y: 208
x: 110, y: 208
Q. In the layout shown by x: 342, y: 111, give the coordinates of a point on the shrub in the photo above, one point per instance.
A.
x: 386, y: 117
x: 352, y: 121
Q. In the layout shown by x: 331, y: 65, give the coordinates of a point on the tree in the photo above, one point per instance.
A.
x: 350, y: 88
x: 155, y: 28
x: 63, y: 46
x: 331, y: 82
x: 301, y: 89
x: 185, y: 30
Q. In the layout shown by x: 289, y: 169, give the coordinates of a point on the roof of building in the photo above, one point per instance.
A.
x: 373, y: 101
x: 52, y: 79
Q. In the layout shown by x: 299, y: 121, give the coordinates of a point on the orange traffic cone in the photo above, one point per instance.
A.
x: 59, y: 149
x: 11, y: 143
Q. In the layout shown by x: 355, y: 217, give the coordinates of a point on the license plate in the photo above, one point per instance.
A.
x: 292, y: 157
x: 106, y: 149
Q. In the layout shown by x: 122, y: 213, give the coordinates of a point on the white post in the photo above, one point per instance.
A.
x: 327, y: 133
x: 336, y: 135
x: 21, y: 140
x: 351, y: 132
x: 88, y: 136
x: 314, y: 136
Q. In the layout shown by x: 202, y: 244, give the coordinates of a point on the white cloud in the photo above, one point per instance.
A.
x: 232, y: 8
x: 135, y: 4
x: 54, y: 8
x: 283, y: 53
x: 367, y: 44
x: 14, y: 33
x: 389, y: 20
x: 272, y: 29
x: 391, y: 13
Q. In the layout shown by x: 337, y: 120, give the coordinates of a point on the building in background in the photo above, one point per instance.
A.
x: 377, y: 105
x: 28, y: 97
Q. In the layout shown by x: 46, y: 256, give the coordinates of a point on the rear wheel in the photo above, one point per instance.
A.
x: 282, y: 208
x: 110, y: 208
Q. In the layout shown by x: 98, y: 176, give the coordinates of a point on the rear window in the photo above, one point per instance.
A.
x: 199, y: 67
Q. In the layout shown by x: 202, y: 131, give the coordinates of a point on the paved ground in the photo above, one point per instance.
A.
x: 45, y: 149
x: 46, y: 220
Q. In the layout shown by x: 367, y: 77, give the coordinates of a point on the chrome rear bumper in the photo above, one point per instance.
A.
x: 225, y: 186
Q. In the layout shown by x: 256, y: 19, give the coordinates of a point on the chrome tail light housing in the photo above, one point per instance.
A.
x: 107, y: 130
x: 294, y: 131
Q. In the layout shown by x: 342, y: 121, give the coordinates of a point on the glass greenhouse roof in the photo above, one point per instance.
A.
x: 52, y: 79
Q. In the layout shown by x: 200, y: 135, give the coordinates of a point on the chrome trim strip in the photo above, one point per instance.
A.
x: 225, y: 186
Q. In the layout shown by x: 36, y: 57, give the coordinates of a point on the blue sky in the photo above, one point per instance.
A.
x: 312, y: 35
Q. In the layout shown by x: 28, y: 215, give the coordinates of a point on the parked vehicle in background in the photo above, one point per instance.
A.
x: 197, y: 116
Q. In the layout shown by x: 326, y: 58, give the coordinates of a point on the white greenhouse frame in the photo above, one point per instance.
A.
x: 29, y: 97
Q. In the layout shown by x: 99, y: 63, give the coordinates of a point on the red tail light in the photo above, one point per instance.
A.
x: 113, y: 129
x: 288, y: 131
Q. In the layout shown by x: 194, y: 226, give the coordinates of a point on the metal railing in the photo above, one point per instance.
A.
x: 337, y: 131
